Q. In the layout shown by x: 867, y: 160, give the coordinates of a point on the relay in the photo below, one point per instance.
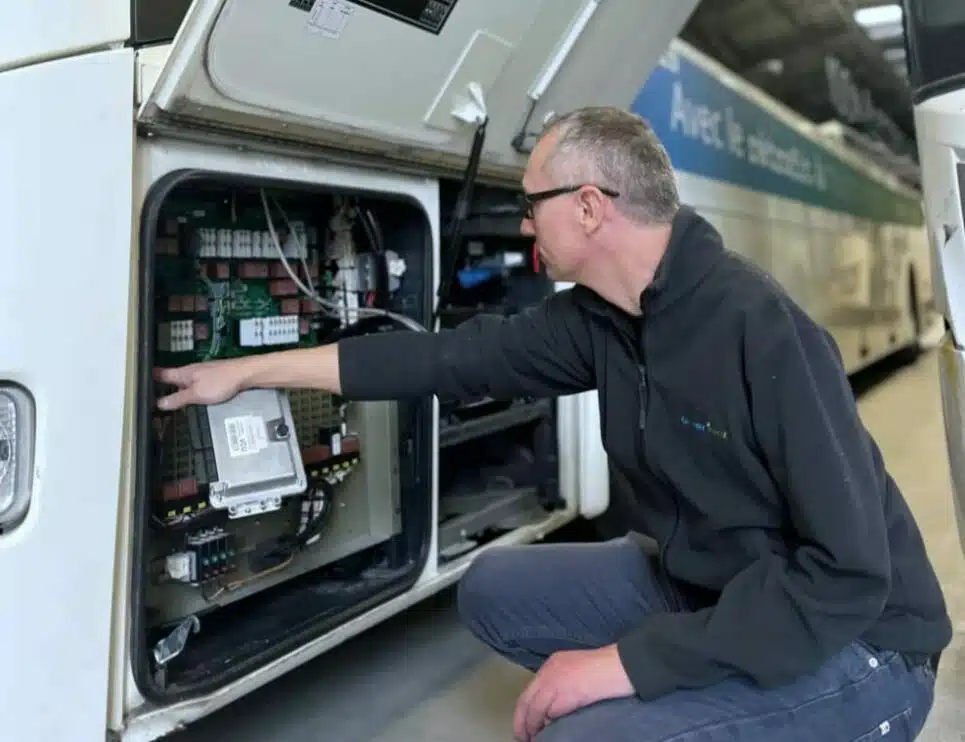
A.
x: 208, y: 554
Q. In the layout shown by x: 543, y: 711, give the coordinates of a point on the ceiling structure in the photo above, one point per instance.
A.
x: 827, y: 59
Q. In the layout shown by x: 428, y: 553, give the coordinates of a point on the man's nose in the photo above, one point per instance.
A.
x: 526, y: 227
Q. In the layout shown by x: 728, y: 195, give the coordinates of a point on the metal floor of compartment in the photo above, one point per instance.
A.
x: 422, y: 678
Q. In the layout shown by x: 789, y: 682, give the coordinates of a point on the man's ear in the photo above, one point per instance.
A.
x: 592, y: 205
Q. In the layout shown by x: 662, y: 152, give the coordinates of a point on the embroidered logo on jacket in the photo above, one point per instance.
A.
x: 704, y: 427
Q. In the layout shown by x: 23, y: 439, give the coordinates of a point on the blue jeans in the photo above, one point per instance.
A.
x: 528, y: 602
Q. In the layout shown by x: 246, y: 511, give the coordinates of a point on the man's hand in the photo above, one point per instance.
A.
x: 568, y: 681
x: 213, y: 382
x: 202, y: 383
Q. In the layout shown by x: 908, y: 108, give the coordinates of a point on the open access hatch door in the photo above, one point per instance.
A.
x: 402, y: 78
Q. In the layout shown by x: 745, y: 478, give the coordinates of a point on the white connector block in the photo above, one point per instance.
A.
x: 251, y: 332
x: 249, y: 243
x: 241, y: 243
x: 268, y: 246
x: 281, y: 330
x: 225, y: 243
x: 181, y: 567
x: 176, y: 337
x: 207, y: 242
x: 260, y: 331
x: 296, y: 246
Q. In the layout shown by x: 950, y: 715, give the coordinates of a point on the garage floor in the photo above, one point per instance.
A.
x: 421, y: 678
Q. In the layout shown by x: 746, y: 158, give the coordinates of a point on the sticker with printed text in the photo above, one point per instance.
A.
x: 246, y: 434
x: 328, y: 17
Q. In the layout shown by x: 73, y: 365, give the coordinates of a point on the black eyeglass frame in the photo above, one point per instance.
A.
x: 529, y: 200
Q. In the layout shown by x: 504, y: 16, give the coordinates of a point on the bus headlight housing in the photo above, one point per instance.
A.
x: 16, y: 454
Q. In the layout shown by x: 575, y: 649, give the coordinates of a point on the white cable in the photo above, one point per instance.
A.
x: 308, y: 273
x: 216, y: 310
x: 333, y: 307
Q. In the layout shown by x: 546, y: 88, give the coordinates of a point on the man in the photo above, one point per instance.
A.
x: 792, y: 597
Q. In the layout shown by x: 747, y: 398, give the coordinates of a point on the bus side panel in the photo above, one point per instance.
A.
x: 32, y: 31
x: 938, y: 126
x: 65, y: 206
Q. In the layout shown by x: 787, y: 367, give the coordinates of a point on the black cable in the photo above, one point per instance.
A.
x: 458, y: 219
x: 272, y: 553
x: 374, y: 234
x: 317, y: 525
x: 519, y: 141
x: 372, y: 231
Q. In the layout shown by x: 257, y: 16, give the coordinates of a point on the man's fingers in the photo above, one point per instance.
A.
x: 174, y: 376
x: 522, y: 707
x: 179, y: 377
x: 183, y: 378
x: 175, y: 401
x: 165, y: 375
x: 538, y: 710
x: 531, y: 709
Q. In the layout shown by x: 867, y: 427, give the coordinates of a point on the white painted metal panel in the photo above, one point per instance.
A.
x: 65, y: 203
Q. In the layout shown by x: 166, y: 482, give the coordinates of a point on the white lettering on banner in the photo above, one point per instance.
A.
x: 695, y: 120
x: 723, y: 131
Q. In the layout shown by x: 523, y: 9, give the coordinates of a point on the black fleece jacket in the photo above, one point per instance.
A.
x: 729, y: 411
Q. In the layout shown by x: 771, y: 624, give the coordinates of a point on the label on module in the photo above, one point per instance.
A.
x: 246, y: 435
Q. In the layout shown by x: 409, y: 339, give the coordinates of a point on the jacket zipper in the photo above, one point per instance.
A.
x: 644, y: 394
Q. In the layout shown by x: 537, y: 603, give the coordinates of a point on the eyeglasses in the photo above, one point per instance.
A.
x: 528, y: 200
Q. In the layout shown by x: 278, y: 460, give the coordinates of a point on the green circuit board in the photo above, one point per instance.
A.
x: 210, y: 296
x: 217, y: 308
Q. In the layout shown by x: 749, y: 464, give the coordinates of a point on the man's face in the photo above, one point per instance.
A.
x: 554, y: 222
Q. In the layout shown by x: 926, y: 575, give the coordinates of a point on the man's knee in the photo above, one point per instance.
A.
x: 621, y: 719
x: 481, y: 586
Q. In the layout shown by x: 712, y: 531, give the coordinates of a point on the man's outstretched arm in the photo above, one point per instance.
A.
x: 543, y: 351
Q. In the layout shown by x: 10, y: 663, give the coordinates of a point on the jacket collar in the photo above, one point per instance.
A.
x: 694, y: 248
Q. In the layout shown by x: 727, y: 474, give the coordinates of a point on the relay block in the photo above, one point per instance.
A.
x: 260, y: 331
x: 208, y: 555
x: 176, y: 336
x: 227, y: 290
x: 252, y: 243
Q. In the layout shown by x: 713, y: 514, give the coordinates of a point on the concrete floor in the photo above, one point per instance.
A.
x: 421, y: 678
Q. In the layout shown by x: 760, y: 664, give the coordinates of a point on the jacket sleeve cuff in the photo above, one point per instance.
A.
x: 648, y: 682
x: 388, y: 365
x: 654, y: 667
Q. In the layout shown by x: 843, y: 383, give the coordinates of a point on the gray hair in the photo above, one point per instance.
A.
x: 613, y: 148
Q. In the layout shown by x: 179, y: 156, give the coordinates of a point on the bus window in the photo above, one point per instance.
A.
x: 934, y: 37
